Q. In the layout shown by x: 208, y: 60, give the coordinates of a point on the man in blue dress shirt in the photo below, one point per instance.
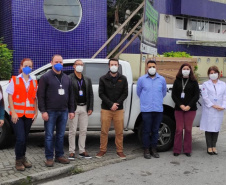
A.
x: 151, y: 89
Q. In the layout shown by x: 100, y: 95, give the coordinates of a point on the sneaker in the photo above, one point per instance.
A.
x: 121, y: 155
x: 62, y: 160
x: 71, y: 156
x: 100, y: 154
x: 85, y: 155
x: 49, y: 162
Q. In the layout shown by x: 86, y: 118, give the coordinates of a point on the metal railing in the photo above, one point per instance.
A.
x: 118, y: 30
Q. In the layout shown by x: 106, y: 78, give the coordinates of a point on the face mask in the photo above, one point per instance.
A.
x: 79, y: 68
x: 152, y: 71
x: 58, y: 67
x: 185, y: 73
x: 114, y: 69
x: 0, y: 96
x: 213, y: 76
x: 26, y: 70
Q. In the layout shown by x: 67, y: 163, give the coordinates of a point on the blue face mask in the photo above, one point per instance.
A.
x: 26, y: 70
x: 58, y: 67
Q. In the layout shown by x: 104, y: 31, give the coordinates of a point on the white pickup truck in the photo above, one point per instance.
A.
x: 95, y: 68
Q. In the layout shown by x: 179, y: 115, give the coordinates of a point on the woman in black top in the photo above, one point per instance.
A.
x: 185, y: 94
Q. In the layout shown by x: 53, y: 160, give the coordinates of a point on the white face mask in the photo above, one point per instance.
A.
x: 213, y: 76
x: 152, y: 71
x: 0, y: 96
x: 185, y: 73
x: 114, y: 69
x: 79, y: 68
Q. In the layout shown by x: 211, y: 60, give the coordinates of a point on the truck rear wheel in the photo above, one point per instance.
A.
x: 5, y: 135
x: 166, y: 134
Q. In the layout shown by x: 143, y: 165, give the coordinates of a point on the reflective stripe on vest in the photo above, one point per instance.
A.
x: 34, y: 84
x: 17, y: 81
x: 18, y: 111
x: 29, y: 112
x: 22, y: 104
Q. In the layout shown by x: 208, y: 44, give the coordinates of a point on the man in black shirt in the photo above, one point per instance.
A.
x: 83, y: 91
x: 113, y: 90
x: 56, y: 103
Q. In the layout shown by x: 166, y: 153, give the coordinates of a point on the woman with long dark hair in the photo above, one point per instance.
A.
x: 185, y: 94
x: 2, y: 111
x: 214, y: 104
x: 23, y: 109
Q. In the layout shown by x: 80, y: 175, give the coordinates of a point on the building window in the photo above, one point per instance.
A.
x: 193, y: 24
x: 224, y: 28
x: 179, y: 23
x: 211, y: 27
x: 217, y: 28
x: 64, y: 15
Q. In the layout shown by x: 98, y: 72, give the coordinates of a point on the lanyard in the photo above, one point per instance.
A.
x: 215, y: 89
x: 80, y: 85
x: 60, y: 81
x: 27, y: 88
x: 184, y: 85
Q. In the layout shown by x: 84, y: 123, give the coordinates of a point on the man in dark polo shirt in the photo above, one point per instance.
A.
x: 83, y: 91
x: 56, y: 103
x: 113, y: 90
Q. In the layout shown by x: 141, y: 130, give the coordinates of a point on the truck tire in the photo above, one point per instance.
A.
x: 5, y: 135
x: 166, y: 134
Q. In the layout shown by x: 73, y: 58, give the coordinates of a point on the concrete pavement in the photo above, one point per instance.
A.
x: 35, y: 154
x: 132, y: 148
x: 199, y: 169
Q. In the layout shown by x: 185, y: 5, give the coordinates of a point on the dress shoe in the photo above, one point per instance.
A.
x: 154, y: 153
x: 209, y: 152
x: 26, y: 163
x: 19, y: 165
x: 49, y: 162
x: 188, y: 154
x: 147, y: 154
x: 176, y: 154
x: 62, y: 160
x: 215, y: 151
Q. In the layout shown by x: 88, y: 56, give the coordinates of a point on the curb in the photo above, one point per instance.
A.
x: 40, y: 176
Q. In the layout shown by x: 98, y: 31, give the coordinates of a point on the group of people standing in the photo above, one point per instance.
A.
x: 151, y: 88
x: 61, y: 97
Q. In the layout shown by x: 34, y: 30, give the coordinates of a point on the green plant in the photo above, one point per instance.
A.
x: 197, y: 75
x: 76, y: 171
x: 177, y: 54
x: 27, y: 181
x: 6, y: 61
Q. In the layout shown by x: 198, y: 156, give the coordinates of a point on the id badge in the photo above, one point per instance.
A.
x: 61, y: 91
x: 28, y: 103
x: 182, y: 95
x: 80, y: 93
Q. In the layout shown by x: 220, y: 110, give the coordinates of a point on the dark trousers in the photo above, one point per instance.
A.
x: 211, y: 139
x: 21, y: 130
x: 151, y: 123
x: 184, y: 121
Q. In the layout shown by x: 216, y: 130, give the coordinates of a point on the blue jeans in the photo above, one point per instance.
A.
x: 151, y: 123
x: 21, y: 131
x: 57, y: 119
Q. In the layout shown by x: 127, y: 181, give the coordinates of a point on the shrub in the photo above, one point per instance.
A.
x: 176, y: 54
x: 6, y: 61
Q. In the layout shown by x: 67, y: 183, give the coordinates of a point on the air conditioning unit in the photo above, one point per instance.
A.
x: 189, y: 33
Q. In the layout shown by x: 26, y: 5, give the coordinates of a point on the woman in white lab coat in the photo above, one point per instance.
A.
x: 214, y: 103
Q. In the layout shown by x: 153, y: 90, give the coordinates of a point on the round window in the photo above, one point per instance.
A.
x: 64, y: 15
